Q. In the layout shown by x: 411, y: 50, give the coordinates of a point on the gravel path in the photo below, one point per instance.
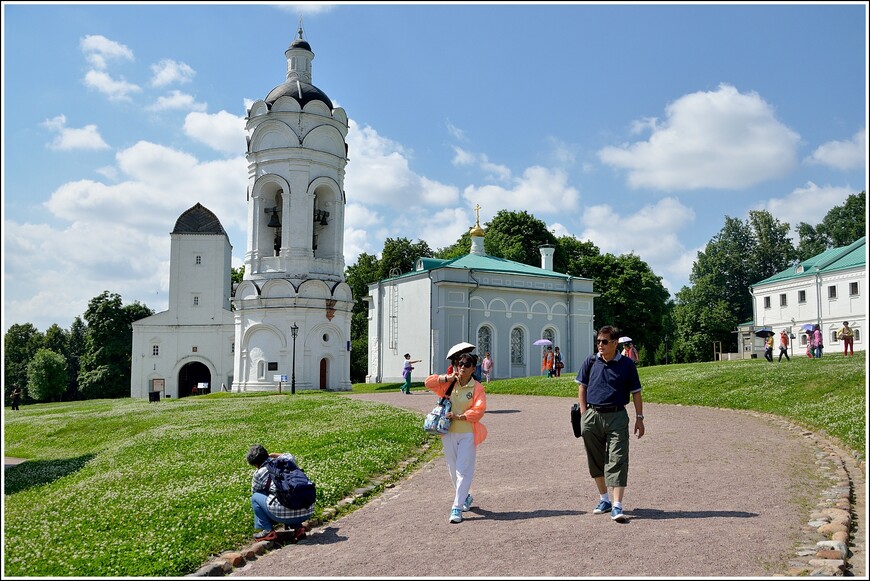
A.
x: 711, y: 493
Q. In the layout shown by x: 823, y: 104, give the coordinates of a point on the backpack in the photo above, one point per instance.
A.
x: 293, y: 489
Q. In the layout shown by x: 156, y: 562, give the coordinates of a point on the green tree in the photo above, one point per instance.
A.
x: 517, y: 236
x: 46, y: 375
x: 632, y: 297
x: 459, y: 248
x: 773, y: 250
x: 237, y: 274
x: 75, y: 350
x: 700, y: 318
x: 575, y: 257
x: 105, y: 365
x: 841, y: 226
x: 359, y: 276
x: 400, y: 256
x: 20, y: 344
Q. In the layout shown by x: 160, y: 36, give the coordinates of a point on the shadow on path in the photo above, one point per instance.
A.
x: 522, y: 515
x: 38, y: 472
x: 655, y: 514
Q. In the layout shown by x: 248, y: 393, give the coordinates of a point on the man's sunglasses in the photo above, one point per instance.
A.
x: 603, y: 341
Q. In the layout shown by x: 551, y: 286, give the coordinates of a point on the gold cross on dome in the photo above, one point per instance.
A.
x: 477, y: 214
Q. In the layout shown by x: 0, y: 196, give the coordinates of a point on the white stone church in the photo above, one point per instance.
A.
x: 497, y: 305
x: 288, y: 322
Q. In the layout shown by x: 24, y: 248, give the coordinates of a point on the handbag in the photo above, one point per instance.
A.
x: 436, y: 421
x: 576, y: 420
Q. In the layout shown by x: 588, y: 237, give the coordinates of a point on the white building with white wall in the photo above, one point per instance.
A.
x: 190, y: 343
x: 290, y: 315
x: 498, y: 305
x: 826, y: 289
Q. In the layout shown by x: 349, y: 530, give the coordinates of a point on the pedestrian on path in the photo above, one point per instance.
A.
x: 607, y: 380
x: 768, y: 348
x: 486, y: 367
x: 848, y: 338
x: 783, y: 346
x: 407, y: 368
x: 818, y: 343
x: 468, y: 404
x: 16, y: 398
x: 547, y: 362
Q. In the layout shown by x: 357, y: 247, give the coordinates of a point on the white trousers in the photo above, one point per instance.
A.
x: 460, y: 454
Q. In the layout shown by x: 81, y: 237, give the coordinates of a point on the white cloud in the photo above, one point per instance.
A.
x: 178, y: 100
x: 69, y: 139
x: 221, y: 131
x: 843, y: 155
x: 539, y: 190
x: 807, y: 204
x: 721, y: 139
x: 652, y: 233
x: 105, y: 84
x: 116, y: 236
x: 379, y: 173
x: 305, y: 8
x: 455, y: 132
x: 98, y: 50
x: 496, y: 172
x: 168, y: 71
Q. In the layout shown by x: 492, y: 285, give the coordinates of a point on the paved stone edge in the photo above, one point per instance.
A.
x: 832, y: 536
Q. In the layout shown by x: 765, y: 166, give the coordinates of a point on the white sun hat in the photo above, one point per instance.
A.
x: 625, y: 339
x: 459, y: 349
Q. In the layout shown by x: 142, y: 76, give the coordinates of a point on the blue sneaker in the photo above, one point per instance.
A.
x: 468, y: 500
x: 456, y: 516
x: 602, y: 507
x: 616, y: 514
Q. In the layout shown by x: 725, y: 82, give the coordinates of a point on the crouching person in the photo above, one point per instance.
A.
x: 268, y: 510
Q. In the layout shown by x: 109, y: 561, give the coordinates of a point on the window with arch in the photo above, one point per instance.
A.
x: 549, y: 334
x: 518, y: 346
x: 484, y: 340
x: 261, y: 369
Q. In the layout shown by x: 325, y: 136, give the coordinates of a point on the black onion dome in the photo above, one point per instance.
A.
x: 198, y: 220
x: 300, y: 90
x: 299, y: 43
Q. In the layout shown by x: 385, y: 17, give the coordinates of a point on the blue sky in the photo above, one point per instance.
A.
x: 639, y: 127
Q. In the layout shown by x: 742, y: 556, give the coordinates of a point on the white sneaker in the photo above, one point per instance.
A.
x: 456, y: 515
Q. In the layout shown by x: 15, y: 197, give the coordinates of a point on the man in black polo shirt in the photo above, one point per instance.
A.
x: 607, y: 380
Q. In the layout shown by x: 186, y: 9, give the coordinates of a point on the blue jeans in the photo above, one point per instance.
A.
x: 817, y: 351
x: 264, y: 519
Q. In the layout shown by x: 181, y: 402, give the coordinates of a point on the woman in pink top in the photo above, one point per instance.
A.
x: 468, y: 404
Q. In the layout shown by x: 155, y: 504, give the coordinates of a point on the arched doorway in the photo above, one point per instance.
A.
x: 191, y: 375
x: 324, y: 372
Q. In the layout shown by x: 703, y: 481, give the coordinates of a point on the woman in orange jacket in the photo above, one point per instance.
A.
x: 468, y: 404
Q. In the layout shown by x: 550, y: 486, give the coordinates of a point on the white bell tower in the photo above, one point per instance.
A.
x: 294, y: 259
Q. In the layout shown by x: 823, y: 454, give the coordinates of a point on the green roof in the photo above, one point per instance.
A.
x: 831, y: 260
x: 486, y: 263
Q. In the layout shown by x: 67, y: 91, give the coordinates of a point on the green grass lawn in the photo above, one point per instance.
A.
x: 131, y: 488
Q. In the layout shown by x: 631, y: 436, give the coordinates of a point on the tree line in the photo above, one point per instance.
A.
x: 92, y: 359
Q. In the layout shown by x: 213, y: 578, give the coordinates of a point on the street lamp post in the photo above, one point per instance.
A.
x: 294, y: 330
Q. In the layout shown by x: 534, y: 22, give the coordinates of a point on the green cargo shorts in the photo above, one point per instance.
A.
x: 606, y: 438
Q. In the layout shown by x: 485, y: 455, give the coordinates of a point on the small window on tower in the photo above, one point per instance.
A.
x: 155, y: 350
x: 198, y: 259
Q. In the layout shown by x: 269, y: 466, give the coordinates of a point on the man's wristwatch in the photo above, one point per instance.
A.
x: 639, y: 416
